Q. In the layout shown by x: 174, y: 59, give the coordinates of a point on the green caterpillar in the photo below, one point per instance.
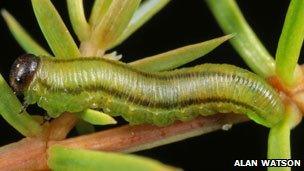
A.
x: 160, y: 98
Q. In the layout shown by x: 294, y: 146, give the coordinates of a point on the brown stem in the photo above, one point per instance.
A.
x: 31, y: 154
x: 61, y: 126
x: 27, y: 154
x: 129, y: 138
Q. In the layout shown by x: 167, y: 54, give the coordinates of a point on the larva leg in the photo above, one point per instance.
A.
x: 24, y: 107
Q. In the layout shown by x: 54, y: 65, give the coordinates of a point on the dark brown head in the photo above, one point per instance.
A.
x: 23, y: 71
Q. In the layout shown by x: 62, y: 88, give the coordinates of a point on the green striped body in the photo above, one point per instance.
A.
x: 74, y: 85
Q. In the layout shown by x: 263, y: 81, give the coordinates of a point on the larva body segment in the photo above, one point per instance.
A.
x: 158, y: 98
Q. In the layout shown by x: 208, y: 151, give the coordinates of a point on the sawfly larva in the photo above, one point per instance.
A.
x: 160, y: 98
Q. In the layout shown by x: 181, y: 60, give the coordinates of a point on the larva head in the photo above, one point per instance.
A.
x: 23, y: 71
